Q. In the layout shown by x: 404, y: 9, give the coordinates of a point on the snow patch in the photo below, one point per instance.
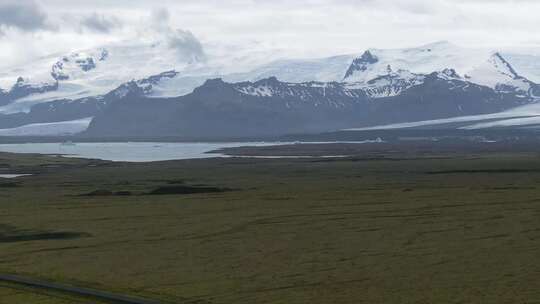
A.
x: 522, y: 121
x: 391, y: 84
x: 49, y: 129
x: 261, y: 91
x: 527, y: 114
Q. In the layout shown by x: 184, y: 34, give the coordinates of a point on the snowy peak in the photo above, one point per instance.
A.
x: 23, y: 88
x: 375, y: 69
x: 286, y: 94
x: 448, y: 74
x: 503, y: 66
x: 71, y: 66
x: 127, y: 89
x: 313, y: 92
x: 497, y: 73
x: 141, y: 87
x: 421, y: 60
x: 361, y: 64
x: 156, y: 79
x: 391, y: 84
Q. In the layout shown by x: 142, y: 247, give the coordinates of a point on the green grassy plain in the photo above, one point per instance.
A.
x: 445, y: 228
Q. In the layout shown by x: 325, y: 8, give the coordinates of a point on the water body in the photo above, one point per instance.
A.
x: 139, y: 151
x: 13, y: 175
x: 128, y: 151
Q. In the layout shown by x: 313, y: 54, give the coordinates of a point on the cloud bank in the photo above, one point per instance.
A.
x: 100, y: 23
x: 182, y: 41
x: 22, y: 15
x: 300, y: 28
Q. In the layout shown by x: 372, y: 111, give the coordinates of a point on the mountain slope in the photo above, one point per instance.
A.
x: 219, y: 109
x: 270, y: 107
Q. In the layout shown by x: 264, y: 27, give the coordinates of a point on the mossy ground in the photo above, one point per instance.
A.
x: 450, y: 228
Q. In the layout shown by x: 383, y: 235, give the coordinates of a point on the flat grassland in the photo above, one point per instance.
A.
x: 445, y: 228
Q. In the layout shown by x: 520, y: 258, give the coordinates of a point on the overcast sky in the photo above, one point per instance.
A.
x: 33, y: 28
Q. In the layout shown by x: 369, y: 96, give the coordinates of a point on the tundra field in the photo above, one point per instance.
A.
x: 379, y: 228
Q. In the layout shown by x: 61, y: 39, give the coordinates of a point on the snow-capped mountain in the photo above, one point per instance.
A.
x: 22, y: 88
x: 97, y: 72
x: 445, y: 79
x: 91, y: 73
x: 76, y: 64
x: 481, y: 67
x: 390, y: 84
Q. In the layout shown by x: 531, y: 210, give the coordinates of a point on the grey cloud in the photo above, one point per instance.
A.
x: 23, y: 15
x: 100, y: 23
x: 161, y: 14
x: 186, y: 45
x: 183, y: 42
x: 160, y: 18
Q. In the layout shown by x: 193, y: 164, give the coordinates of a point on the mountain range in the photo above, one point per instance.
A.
x: 147, y: 89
